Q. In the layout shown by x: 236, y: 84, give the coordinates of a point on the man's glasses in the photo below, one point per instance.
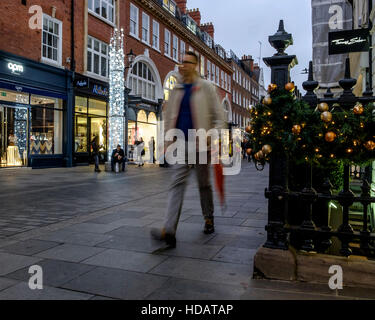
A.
x: 188, y: 62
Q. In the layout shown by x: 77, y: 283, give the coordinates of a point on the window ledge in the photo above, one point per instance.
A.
x: 96, y: 76
x: 134, y: 36
x: 51, y: 62
x: 146, y: 43
x: 94, y: 14
x: 156, y: 49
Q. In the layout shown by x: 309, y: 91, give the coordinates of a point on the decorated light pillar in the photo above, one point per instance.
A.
x: 116, y: 119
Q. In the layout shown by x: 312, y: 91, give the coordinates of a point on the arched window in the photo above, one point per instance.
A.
x: 169, y: 85
x: 142, y: 117
x: 141, y: 81
x: 226, y: 111
x: 152, y: 118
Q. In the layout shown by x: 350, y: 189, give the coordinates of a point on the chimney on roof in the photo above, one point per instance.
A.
x: 249, y: 62
x: 209, y: 28
x: 195, y: 15
x: 181, y: 4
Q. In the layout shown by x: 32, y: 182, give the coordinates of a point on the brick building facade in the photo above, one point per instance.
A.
x: 70, y: 64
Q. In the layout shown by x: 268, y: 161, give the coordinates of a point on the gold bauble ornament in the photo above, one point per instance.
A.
x: 259, y: 155
x: 326, y: 116
x: 248, y: 129
x: 296, y: 129
x: 289, y: 86
x: 266, y: 149
x: 323, y: 107
x: 272, y: 87
x: 267, y: 101
x: 330, y: 136
x: 370, y: 145
x: 249, y: 151
x: 358, y: 109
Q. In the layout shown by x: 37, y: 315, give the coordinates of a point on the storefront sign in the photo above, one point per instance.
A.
x: 348, y: 41
x: 81, y: 83
x: 15, y: 68
x: 99, y: 90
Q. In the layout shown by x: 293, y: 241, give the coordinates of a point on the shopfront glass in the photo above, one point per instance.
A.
x: 147, y: 128
x: 90, y: 123
x: 46, y: 125
x: 29, y: 124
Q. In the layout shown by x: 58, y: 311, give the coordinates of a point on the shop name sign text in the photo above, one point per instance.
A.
x: 348, y: 41
x: 16, y: 68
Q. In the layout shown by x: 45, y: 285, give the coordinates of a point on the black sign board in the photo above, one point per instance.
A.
x: 81, y: 83
x: 348, y: 41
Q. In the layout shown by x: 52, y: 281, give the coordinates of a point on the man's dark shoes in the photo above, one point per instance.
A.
x: 161, y: 235
x: 209, y: 226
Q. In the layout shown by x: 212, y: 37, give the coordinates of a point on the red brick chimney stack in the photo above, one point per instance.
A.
x: 209, y: 28
x: 195, y: 15
x: 182, y: 5
x: 249, y: 61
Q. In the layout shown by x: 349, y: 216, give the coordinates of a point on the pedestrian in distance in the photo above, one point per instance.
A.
x: 151, y: 146
x: 95, y: 152
x: 193, y: 104
x: 140, y: 152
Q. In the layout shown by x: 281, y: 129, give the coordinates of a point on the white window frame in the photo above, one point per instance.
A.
x: 156, y: 34
x: 217, y: 76
x: 213, y: 72
x: 208, y: 69
x: 222, y: 82
x: 136, y: 22
x: 91, y: 10
x: 175, y: 48
x: 145, y: 84
x: 100, y: 54
x: 170, y: 6
x: 59, y: 41
x: 145, y: 18
x: 182, y: 50
x: 167, y: 52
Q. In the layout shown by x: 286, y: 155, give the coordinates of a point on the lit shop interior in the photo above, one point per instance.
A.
x: 29, y: 125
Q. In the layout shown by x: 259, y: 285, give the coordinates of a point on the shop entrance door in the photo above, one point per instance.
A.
x: 98, y: 129
x: 13, y: 136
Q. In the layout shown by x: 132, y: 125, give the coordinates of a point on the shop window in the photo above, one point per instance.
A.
x: 152, y: 118
x: 46, y: 125
x: 51, y: 40
x: 97, y: 57
x: 142, y: 81
x: 81, y: 105
x: 14, y: 96
x: 142, y: 117
x: 97, y: 107
x: 169, y: 85
x: 103, y: 8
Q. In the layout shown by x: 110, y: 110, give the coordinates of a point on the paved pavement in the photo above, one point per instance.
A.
x: 90, y: 234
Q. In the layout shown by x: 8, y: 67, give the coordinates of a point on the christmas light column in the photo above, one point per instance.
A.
x: 116, y: 120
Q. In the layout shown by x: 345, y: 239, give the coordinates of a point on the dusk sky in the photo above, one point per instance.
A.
x: 240, y: 24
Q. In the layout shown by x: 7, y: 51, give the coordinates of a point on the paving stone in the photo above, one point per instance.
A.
x: 126, y: 260
x: 30, y: 247
x: 6, y: 283
x: 90, y: 227
x: 218, y: 221
x: 180, y: 289
x: 257, y: 223
x: 203, y: 270
x: 12, y: 262
x: 251, y: 242
x: 70, y: 252
x: 235, y: 255
x: 147, y: 245
x: 132, y: 222
x: 82, y: 238
x: 55, y: 273
x: 129, y: 231
x: 22, y: 291
x: 115, y: 283
x: 190, y: 250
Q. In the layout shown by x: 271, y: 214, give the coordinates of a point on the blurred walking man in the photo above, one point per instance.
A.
x: 193, y: 104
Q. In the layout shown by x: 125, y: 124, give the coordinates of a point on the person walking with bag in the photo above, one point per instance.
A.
x: 193, y: 104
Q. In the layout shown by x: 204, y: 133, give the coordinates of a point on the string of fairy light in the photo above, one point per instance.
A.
x: 116, y: 125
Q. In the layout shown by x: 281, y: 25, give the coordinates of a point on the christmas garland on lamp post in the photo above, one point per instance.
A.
x: 281, y: 123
